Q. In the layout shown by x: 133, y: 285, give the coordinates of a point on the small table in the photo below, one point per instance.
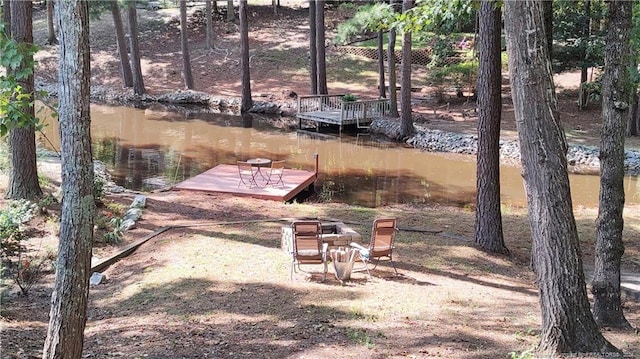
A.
x: 259, y: 163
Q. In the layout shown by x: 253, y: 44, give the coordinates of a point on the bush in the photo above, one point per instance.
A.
x: 11, y: 220
x: 30, y: 269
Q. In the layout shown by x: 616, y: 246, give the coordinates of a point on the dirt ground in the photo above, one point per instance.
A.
x: 211, y: 287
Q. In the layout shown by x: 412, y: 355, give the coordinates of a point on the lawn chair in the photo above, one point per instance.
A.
x: 275, y: 173
x: 308, y: 247
x: 381, y: 245
x: 247, y: 174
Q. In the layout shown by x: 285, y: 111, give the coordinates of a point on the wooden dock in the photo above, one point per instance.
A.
x: 225, y: 179
x: 331, y: 109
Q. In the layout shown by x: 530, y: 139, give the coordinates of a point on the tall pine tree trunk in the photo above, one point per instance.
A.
x: 231, y: 15
x: 488, y: 229
x: 607, y: 305
x: 125, y: 66
x: 208, y: 15
x: 136, y: 67
x: 381, y: 87
x: 68, y: 315
x: 184, y: 44
x: 51, y: 38
x: 23, y: 177
x: 6, y: 16
x: 586, y: 33
x: 391, y: 64
x: 406, y: 119
x: 320, y: 48
x: 567, y: 323
x: 313, y: 55
x: 247, y: 103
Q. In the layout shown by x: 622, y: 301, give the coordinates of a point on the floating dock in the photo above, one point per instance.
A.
x: 332, y: 109
x: 225, y: 179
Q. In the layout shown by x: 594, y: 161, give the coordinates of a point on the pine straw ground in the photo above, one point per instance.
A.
x: 206, y: 289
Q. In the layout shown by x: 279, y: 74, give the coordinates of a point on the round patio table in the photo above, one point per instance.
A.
x: 259, y: 163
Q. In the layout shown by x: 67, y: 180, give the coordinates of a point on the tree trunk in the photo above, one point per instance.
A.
x: 51, y: 39
x: 567, y: 323
x: 632, y: 121
x: 607, y: 305
x: 320, y: 51
x: 586, y: 32
x: 23, y: 177
x: 184, y: 44
x: 406, y: 120
x: 391, y: 63
x: 382, y: 86
x: 6, y: 16
x: 125, y: 66
x: 244, y: 59
x: 313, y: 57
x: 548, y: 25
x: 231, y: 15
x: 132, y: 17
x: 488, y: 231
x: 68, y: 313
x: 209, y: 23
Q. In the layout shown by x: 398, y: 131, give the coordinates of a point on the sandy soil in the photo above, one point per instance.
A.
x: 210, y: 288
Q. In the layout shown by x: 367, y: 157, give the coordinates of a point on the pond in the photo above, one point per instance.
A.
x: 153, y: 148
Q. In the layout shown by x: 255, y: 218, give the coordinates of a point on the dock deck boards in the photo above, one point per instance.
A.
x: 225, y: 179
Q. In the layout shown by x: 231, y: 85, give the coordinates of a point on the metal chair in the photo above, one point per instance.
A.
x: 247, y: 174
x: 275, y: 173
x: 308, y: 247
x: 381, y: 245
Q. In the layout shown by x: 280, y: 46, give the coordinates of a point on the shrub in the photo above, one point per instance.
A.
x: 30, y: 269
x: 11, y: 220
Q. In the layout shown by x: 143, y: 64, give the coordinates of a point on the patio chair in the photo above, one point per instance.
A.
x: 275, y: 173
x: 247, y: 174
x: 381, y: 245
x: 308, y: 247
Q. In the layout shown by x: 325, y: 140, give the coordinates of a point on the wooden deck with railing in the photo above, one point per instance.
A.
x: 331, y: 109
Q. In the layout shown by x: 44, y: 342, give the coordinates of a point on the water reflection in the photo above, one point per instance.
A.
x: 150, y: 148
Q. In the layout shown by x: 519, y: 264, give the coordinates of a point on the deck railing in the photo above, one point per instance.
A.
x: 313, y: 103
x: 325, y: 108
x: 365, y: 109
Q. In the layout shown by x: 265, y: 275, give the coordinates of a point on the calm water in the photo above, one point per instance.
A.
x: 146, y: 149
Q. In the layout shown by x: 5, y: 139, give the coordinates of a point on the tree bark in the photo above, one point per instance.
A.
x: 23, y: 177
x: 231, y: 15
x: 607, y: 305
x: 51, y: 39
x: 6, y: 16
x: 69, y: 300
x: 209, y: 23
x: 406, y: 120
x: 132, y: 17
x: 246, y: 102
x: 632, y: 120
x: 320, y: 51
x: 184, y: 44
x: 586, y: 32
x: 382, y: 91
x: 391, y: 63
x: 488, y: 230
x: 567, y: 323
x: 313, y: 55
x: 125, y: 66
x: 548, y: 25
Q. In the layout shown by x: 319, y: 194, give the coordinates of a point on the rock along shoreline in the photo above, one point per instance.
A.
x: 580, y: 158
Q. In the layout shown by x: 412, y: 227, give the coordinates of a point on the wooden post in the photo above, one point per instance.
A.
x: 315, y: 157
